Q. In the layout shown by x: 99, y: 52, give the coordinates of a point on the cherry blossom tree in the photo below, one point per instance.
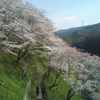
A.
x: 75, y: 68
x: 23, y: 26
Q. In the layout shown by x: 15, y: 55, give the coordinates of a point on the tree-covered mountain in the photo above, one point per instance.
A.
x: 87, y: 39
x: 67, y: 32
x: 91, y: 29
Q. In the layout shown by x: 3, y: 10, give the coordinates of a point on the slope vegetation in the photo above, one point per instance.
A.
x: 15, y: 78
x: 87, y: 39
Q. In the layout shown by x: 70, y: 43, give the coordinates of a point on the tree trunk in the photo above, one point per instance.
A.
x: 70, y: 94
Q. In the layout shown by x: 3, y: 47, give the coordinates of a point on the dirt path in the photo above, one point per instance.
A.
x: 28, y: 86
x: 40, y: 86
x: 27, y: 90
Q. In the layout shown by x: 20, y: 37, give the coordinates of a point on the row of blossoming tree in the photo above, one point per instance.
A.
x: 24, y: 31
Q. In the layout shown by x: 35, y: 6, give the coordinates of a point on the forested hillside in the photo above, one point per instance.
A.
x: 68, y: 32
x: 87, y: 39
x: 37, y: 65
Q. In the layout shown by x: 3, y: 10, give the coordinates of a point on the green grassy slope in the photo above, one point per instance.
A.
x: 15, y: 80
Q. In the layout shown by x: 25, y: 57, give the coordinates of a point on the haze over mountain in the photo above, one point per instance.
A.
x: 67, y: 32
x: 89, y: 29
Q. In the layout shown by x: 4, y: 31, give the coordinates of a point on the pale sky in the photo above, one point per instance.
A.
x: 70, y: 13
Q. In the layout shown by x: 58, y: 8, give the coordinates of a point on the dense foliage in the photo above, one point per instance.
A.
x: 87, y: 39
x: 89, y: 43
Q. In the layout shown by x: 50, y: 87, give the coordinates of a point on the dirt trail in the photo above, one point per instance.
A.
x: 27, y: 90
x: 40, y: 86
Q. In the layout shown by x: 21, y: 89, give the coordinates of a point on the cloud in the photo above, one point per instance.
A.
x: 64, y: 22
x: 61, y: 20
x: 69, y: 18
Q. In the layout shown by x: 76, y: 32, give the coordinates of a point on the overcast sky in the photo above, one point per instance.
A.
x: 70, y: 13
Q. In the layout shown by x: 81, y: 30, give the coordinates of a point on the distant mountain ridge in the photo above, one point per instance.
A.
x: 67, y: 32
x: 91, y: 29
x: 87, y: 39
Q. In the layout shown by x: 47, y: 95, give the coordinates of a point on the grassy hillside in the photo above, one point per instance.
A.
x: 14, y: 80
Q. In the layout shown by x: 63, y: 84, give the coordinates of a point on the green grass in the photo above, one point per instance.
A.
x: 58, y: 92
x: 12, y: 89
x: 15, y: 87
